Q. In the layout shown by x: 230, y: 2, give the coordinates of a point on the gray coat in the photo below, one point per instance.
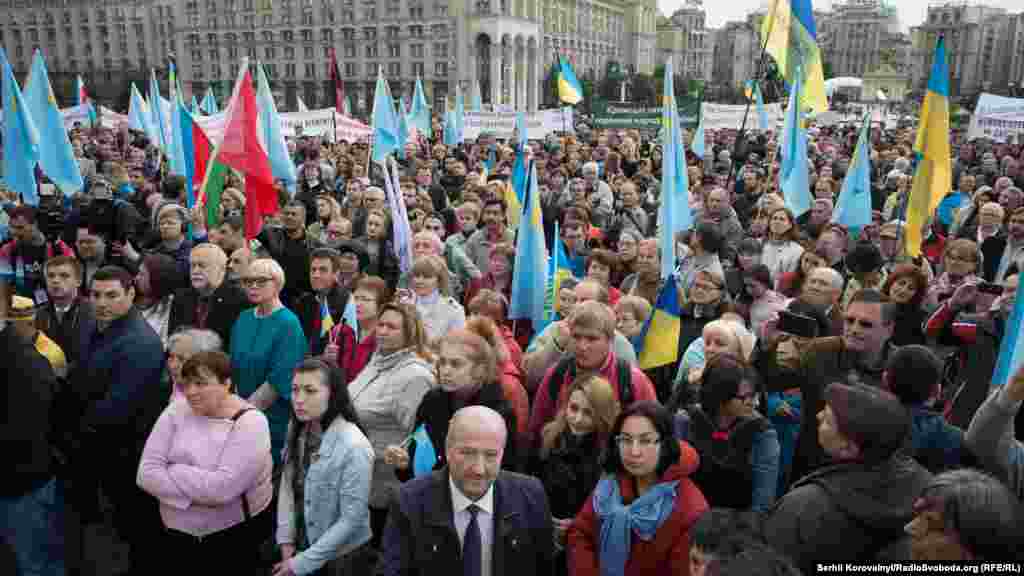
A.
x: 386, y: 395
x: 991, y: 438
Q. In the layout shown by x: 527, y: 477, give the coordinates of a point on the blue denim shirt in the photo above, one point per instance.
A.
x: 337, y: 494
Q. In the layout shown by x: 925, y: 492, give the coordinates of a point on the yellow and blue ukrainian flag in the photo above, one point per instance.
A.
x: 570, y: 90
x: 791, y: 37
x: 659, y: 339
x: 933, y: 177
x: 326, y: 320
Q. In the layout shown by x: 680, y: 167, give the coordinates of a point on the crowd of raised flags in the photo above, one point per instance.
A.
x: 254, y: 145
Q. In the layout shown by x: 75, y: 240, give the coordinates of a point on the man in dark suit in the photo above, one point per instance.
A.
x: 471, y: 518
x: 323, y: 277
x: 210, y: 303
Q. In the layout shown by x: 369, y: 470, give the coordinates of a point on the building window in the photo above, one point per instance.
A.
x: 416, y: 50
x: 307, y: 35
x: 289, y: 70
x: 440, y: 69
x: 197, y: 55
x: 416, y: 31
x: 394, y: 69
x: 327, y: 35
x: 269, y: 53
x: 393, y: 31
x: 350, y: 51
x: 307, y: 19
x: 289, y: 53
x: 307, y: 52
x: 369, y: 33
x: 417, y: 69
x: 350, y: 69
x: 371, y: 50
x: 287, y: 36
x: 394, y: 51
x: 371, y: 68
x: 214, y: 55
x: 440, y: 50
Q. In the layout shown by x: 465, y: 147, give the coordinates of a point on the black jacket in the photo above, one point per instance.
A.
x: 307, y: 308
x: 569, y: 473
x: 29, y: 385
x: 72, y: 331
x: 293, y: 255
x: 436, y: 410
x: 846, y: 512
x: 226, y: 303
x: 420, y: 537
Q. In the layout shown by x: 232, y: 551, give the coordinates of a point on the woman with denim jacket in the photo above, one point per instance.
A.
x: 323, y: 515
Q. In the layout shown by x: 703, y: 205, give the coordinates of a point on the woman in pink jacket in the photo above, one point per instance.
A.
x: 207, y: 460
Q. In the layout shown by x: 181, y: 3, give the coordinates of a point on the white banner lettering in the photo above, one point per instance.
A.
x: 501, y: 124
x: 316, y: 123
x: 730, y: 116
x: 998, y: 118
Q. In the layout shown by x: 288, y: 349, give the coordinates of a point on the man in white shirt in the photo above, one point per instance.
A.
x: 471, y: 518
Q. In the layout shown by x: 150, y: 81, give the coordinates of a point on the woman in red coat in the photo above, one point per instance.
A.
x: 638, y: 520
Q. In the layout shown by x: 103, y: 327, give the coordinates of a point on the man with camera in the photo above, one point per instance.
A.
x: 856, y: 357
x: 26, y: 253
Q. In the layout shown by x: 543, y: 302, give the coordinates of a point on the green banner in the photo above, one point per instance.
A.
x: 628, y: 115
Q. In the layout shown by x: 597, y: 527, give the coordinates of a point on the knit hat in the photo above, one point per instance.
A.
x: 863, y: 258
x: 871, y: 417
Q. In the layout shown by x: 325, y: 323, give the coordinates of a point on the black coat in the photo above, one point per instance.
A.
x: 420, y: 537
x: 436, y: 410
x: 29, y: 386
x: 569, y: 473
x: 307, y: 308
x: 71, y: 332
x: 226, y: 303
x: 851, y: 512
x: 293, y: 256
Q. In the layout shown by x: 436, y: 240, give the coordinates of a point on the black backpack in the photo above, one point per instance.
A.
x: 567, y: 367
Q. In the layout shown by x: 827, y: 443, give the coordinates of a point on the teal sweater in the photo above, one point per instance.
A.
x: 267, y: 350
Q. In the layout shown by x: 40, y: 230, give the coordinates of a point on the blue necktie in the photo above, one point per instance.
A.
x: 472, y: 555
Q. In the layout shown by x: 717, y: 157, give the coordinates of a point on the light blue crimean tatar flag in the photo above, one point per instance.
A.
x: 56, y: 158
x: 853, y: 208
x: 21, y: 139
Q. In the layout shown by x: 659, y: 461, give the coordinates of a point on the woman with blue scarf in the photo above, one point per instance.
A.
x: 638, y: 520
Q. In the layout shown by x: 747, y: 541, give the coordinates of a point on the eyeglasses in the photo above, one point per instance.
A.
x: 256, y: 282
x: 706, y: 286
x: 645, y: 442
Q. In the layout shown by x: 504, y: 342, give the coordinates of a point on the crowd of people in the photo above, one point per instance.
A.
x: 298, y: 403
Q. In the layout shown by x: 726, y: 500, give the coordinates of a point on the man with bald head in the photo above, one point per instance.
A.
x: 209, y: 303
x: 471, y: 518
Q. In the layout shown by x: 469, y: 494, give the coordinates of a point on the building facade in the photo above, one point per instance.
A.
x: 859, y: 36
x: 107, y: 43
x: 978, y: 46
x: 504, y: 45
x: 685, y: 40
x: 735, y: 52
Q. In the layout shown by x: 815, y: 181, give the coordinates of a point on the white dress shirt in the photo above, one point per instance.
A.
x: 484, y: 520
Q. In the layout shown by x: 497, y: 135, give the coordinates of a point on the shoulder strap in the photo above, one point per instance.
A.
x: 245, y: 502
x: 564, y: 366
x: 625, y: 373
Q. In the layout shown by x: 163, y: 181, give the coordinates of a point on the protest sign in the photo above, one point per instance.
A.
x: 501, y: 124
x: 998, y: 118
x: 730, y: 116
x: 627, y: 115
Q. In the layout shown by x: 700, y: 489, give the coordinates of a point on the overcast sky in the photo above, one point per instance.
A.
x: 912, y: 12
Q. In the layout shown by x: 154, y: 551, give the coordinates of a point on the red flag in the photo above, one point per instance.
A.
x: 339, y: 86
x: 241, y: 151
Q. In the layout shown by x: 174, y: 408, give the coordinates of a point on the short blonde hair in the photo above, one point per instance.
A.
x: 270, y: 267
x: 432, y: 266
x: 639, y: 307
x: 594, y: 316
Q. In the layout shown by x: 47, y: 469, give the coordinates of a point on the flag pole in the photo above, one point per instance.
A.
x: 746, y: 112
